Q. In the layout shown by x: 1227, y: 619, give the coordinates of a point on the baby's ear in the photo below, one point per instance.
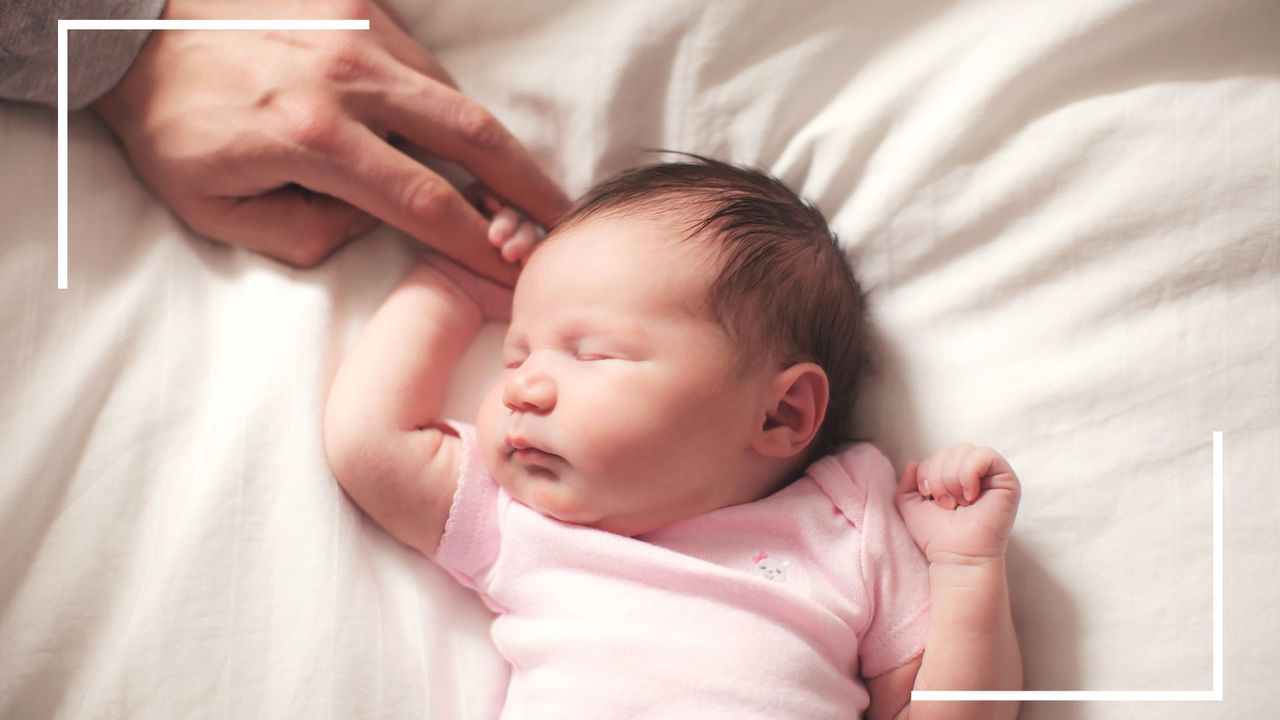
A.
x: 797, y: 405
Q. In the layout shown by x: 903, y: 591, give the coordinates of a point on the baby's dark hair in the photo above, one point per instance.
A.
x: 783, y: 284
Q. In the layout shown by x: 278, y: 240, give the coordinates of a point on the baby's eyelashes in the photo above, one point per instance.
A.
x: 513, y: 361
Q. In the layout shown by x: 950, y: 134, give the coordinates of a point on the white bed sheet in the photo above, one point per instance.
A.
x: 1068, y: 216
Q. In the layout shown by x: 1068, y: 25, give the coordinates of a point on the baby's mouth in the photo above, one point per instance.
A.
x: 537, y: 463
x: 528, y: 454
x: 533, y: 456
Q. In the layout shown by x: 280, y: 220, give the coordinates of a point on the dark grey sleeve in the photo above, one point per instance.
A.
x: 96, y: 59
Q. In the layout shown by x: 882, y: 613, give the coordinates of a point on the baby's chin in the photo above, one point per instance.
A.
x: 558, y: 503
x: 558, y: 495
x: 548, y: 493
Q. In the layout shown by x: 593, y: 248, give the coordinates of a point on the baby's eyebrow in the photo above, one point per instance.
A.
x: 580, y: 327
x: 577, y: 328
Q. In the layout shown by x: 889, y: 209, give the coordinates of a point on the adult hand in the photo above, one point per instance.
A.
x: 280, y: 142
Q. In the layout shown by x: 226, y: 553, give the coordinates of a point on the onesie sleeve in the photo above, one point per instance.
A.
x: 894, y: 570
x: 472, y: 534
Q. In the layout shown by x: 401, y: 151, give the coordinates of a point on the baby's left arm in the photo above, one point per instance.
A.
x: 959, y: 506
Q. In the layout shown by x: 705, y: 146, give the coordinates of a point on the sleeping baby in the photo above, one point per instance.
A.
x: 657, y: 498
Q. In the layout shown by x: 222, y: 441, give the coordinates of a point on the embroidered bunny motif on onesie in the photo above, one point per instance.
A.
x: 771, y: 568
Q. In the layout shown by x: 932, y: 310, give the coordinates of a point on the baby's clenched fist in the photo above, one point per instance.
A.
x: 960, y: 503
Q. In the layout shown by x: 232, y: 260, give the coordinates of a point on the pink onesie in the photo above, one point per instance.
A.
x: 773, y: 609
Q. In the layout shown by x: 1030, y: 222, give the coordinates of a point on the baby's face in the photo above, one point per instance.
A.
x: 618, y: 407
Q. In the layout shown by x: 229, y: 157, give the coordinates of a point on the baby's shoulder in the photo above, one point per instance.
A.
x: 856, y: 478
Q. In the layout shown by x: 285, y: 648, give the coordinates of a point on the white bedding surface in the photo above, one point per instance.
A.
x: 1068, y: 217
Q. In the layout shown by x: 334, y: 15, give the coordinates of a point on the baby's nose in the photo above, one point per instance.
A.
x: 529, y: 391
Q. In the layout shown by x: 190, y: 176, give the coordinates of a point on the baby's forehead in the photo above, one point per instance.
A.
x: 628, y: 233
x: 633, y: 258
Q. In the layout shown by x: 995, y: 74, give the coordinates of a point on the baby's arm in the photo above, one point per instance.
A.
x: 380, y: 424
x: 959, y: 505
x: 382, y: 433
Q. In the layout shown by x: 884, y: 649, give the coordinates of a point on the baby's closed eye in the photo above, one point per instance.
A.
x: 513, y: 361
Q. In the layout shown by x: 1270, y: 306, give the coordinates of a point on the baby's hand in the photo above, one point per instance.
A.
x: 512, y: 233
x: 959, y: 504
x: 493, y: 300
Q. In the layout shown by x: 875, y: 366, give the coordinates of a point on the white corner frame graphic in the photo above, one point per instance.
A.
x: 66, y: 25
x: 1214, y: 695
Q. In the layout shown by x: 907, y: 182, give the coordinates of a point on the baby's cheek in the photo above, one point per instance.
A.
x: 490, y: 432
x: 625, y: 431
x: 489, y: 429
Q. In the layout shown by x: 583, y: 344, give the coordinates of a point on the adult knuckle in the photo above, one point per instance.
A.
x: 309, y: 123
x: 306, y: 257
x: 202, y: 223
x: 427, y: 201
x: 300, y: 252
x: 478, y: 127
x: 345, y: 60
x: 350, y: 9
x: 199, y: 214
x: 309, y: 251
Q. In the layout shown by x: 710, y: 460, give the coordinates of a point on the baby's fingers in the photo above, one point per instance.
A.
x: 964, y: 488
x: 504, y: 224
x: 940, y: 481
x: 973, y: 468
x: 910, y: 482
x: 521, y: 243
x: 986, y: 467
x: 925, y: 471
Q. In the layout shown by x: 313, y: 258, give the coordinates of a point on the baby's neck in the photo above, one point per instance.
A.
x: 753, y: 481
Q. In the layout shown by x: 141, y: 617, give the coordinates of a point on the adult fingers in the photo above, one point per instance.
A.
x: 292, y: 225
x: 404, y: 48
x: 352, y: 163
x: 441, y: 120
x: 491, y: 202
